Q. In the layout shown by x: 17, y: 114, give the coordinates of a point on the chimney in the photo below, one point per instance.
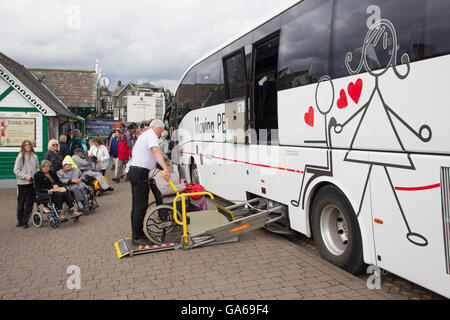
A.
x: 119, y: 83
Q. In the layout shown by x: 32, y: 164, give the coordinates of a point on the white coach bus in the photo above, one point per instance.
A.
x: 338, y: 110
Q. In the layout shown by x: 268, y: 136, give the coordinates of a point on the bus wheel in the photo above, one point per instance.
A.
x: 336, y: 231
x: 195, y: 177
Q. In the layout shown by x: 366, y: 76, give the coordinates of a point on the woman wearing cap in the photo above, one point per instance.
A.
x: 71, y: 177
x: 53, y: 155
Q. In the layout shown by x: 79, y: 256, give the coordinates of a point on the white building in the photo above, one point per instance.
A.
x: 145, y: 107
x: 138, y: 103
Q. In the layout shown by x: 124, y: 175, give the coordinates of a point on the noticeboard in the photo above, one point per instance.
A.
x: 101, y: 127
x: 13, y: 131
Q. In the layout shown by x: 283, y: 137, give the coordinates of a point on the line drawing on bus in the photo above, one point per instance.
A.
x: 319, y: 171
x: 381, y: 30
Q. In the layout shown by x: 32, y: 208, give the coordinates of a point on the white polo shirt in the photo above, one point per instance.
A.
x: 143, y: 156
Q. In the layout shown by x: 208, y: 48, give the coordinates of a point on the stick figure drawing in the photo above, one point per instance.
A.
x: 382, y: 38
x: 324, y: 109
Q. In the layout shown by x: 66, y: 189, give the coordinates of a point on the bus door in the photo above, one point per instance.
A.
x: 236, y: 94
x: 265, y: 101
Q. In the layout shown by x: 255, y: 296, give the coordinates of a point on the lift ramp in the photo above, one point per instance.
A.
x: 126, y: 248
x: 208, y: 228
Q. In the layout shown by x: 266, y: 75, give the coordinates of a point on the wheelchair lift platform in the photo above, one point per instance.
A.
x: 211, y: 227
x: 125, y: 248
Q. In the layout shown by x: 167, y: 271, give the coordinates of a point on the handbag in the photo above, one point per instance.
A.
x: 195, y: 188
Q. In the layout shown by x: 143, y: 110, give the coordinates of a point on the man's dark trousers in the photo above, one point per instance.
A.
x: 138, y: 178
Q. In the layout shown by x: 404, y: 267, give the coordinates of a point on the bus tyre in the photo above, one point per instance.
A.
x: 336, y: 231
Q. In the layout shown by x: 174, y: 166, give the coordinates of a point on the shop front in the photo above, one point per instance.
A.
x: 28, y: 111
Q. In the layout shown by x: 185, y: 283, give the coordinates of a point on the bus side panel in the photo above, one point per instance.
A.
x: 412, y: 210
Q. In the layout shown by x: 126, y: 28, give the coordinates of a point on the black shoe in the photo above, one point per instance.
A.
x: 140, y: 242
x: 110, y: 189
x: 25, y: 225
x: 19, y: 224
x: 116, y: 180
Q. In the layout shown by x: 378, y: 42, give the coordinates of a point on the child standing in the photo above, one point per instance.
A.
x: 26, y: 165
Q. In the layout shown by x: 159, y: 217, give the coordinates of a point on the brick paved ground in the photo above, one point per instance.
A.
x: 260, y: 266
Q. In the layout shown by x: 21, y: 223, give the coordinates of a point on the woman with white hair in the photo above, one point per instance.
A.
x: 146, y: 153
x: 54, y: 155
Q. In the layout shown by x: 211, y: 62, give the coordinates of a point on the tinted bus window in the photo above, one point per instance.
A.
x: 235, y: 76
x: 245, y: 41
x: 267, y: 29
x: 352, y: 20
x: 305, y: 43
x: 209, y: 85
x: 437, y: 33
x: 185, y: 96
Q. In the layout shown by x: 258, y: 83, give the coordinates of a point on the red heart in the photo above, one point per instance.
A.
x: 309, y: 117
x: 342, y: 102
x: 355, y: 90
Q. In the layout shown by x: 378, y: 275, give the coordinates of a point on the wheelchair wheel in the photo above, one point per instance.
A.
x: 37, y: 219
x: 98, y: 193
x: 93, y: 204
x: 54, y: 223
x: 160, y: 226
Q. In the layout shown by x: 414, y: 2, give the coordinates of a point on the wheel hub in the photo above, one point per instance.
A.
x: 334, y: 230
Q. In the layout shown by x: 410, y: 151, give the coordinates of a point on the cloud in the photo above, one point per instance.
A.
x: 149, y: 40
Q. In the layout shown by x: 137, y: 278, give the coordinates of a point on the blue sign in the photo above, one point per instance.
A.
x: 101, y: 127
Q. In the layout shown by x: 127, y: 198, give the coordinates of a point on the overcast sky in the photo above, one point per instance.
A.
x: 135, y: 40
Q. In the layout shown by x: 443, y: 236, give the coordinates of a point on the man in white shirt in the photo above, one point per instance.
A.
x: 146, y: 154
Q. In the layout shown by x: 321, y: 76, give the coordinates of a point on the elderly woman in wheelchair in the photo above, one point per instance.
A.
x: 50, y: 192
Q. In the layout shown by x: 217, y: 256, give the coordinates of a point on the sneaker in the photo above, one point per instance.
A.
x: 75, y: 213
x: 62, y: 216
x: 25, y: 225
x: 110, y: 189
x: 19, y: 224
x: 116, y: 180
